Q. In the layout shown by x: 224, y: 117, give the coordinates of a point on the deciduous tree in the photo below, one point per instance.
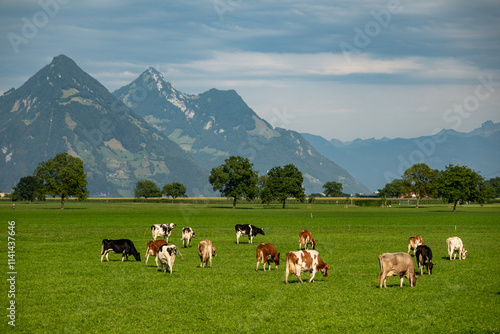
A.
x: 285, y: 182
x: 174, y: 190
x: 418, y: 179
x: 458, y: 183
x: 235, y: 179
x: 28, y: 189
x: 63, y: 176
x: 146, y: 189
x: 333, y: 189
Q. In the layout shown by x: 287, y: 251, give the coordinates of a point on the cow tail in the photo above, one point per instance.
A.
x: 178, y: 251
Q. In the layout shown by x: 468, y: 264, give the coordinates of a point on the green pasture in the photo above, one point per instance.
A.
x: 62, y: 287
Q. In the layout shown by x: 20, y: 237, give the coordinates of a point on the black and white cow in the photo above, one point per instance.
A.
x: 250, y: 230
x: 166, y: 255
x: 424, y: 258
x: 122, y: 246
x: 187, y: 235
x: 162, y: 230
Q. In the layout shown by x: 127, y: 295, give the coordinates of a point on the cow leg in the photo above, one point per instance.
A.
x: 238, y: 235
x: 298, y: 275
x: 147, y: 257
x: 402, y: 277
x: 210, y: 260
x: 313, y: 273
x: 156, y: 260
x: 250, y: 239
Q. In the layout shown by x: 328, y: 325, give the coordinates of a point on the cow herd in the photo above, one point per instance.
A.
x: 304, y: 260
x: 402, y: 263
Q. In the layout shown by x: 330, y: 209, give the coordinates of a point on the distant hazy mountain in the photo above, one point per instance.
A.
x: 217, y: 124
x: 63, y: 109
x: 375, y: 162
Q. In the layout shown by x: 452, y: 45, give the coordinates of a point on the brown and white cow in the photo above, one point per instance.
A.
x: 414, y: 242
x: 267, y: 253
x: 167, y: 255
x: 397, y: 264
x: 304, y: 261
x: 306, y: 238
x: 187, y: 235
x: 456, y: 244
x: 206, y: 251
x: 152, y: 249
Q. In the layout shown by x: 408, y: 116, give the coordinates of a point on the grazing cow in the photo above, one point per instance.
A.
x: 123, y: 246
x: 166, y: 255
x: 456, y: 244
x: 424, y: 258
x: 306, y: 239
x: 206, y: 251
x: 414, y: 242
x: 303, y: 261
x: 267, y: 253
x: 162, y: 230
x: 397, y: 264
x: 152, y: 249
x: 247, y: 229
x: 187, y: 235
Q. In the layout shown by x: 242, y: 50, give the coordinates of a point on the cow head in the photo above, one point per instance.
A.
x: 464, y: 253
x: 260, y: 230
x: 193, y: 235
x: 214, y: 254
x: 277, y: 259
x: 324, y: 269
x: 137, y: 256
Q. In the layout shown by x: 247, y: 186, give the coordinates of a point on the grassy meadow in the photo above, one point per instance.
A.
x: 62, y: 287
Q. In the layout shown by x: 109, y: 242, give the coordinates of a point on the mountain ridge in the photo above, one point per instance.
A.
x: 375, y: 162
x: 63, y: 109
x: 216, y: 124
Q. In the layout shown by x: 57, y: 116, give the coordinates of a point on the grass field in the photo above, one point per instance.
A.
x: 62, y: 287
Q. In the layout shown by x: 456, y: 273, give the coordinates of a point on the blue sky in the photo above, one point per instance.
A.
x: 339, y: 69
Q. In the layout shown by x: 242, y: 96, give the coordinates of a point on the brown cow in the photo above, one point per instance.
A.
x: 414, y: 242
x: 303, y: 261
x: 306, y: 239
x: 206, y: 251
x: 396, y: 264
x: 152, y: 249
x: 267, y: 253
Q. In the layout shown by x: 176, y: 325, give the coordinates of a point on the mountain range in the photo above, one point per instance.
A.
x: 145, y: 130
x: 217, y: 124
x: 63, y: 109
x: 375, y: 162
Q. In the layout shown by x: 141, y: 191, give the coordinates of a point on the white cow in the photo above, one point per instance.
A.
x: 166, y: 256
x: 456, y: 244
x: 162, y: 230
x: 187, y: 235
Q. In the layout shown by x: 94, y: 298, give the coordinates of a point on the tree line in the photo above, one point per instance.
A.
x: 64, y: 176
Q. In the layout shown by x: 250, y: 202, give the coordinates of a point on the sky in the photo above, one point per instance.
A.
x: 339, y: 69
